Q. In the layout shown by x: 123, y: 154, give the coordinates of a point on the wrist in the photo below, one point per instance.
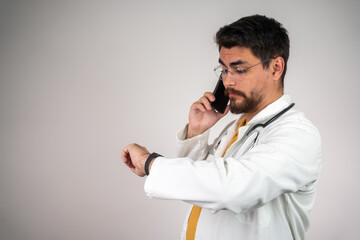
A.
x: 192, y: 133
x: 149, y: 161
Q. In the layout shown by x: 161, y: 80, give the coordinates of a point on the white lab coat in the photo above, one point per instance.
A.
x: 264, y: 190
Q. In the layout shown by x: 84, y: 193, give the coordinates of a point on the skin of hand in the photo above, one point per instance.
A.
x: 202, y: 116
x: 134, y: 156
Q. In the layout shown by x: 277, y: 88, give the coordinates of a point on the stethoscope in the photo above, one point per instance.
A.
x: 255, y: 129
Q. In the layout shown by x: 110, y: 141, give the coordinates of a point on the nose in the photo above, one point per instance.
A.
x: 228, y: 81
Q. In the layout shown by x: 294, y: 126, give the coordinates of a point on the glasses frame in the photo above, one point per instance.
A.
x: 238, y: 71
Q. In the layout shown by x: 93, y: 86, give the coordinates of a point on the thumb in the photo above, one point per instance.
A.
x: 227, y: 109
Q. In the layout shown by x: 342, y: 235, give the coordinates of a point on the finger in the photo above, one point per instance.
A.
x: 132, y: 168
x: 198, y: 106
x: 227, y: 109
x: 130, y: 165
x: 209, y: 96
x: 205, y: 101
x: 125, y: 155
x: 203, y: 104
x: 128, y: 162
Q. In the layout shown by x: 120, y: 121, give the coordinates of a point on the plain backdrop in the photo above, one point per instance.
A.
x: 82, y: 79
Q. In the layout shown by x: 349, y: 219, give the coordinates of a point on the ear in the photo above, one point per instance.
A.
x: 277, y: 66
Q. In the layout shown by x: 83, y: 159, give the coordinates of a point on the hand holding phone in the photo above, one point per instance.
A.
x: 221, y: 100
x: 201, y: 116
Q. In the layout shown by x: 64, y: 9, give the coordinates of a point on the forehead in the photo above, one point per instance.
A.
x: 228, y: 55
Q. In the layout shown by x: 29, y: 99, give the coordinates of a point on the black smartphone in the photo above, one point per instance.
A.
x: 221, y: 100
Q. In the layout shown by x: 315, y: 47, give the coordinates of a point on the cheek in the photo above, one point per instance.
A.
x: 262, y: 80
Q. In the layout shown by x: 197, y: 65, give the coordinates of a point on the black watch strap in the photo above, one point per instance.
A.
x: 148, y: 161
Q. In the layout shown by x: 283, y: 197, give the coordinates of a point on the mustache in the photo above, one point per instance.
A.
x: 233, y: 91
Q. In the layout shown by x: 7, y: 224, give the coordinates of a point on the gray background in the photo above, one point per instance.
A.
x: 82, y: 79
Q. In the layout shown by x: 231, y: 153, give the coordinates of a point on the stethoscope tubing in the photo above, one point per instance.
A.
x: 262, y: 125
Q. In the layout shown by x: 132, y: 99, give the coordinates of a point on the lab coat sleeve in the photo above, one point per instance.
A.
x: 286, y: 160
x: 195, y: 148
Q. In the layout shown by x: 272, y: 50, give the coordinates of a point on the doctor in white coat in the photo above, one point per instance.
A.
x: 258, y: 179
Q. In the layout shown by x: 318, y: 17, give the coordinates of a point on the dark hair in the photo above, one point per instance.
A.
x: 265, y: 37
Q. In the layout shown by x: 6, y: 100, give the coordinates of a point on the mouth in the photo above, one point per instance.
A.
x: 231, y: 93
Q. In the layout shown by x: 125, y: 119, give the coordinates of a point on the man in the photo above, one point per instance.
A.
x: 258, y: 179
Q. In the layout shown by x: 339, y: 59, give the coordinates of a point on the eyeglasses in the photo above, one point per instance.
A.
x: 239, y: 72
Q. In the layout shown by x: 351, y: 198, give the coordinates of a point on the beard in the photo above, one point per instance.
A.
x: 248, y: 105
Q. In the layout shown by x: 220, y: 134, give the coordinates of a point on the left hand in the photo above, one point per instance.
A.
x: 134, y: 156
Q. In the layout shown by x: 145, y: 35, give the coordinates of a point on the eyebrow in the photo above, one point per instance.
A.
x: 238, y: 62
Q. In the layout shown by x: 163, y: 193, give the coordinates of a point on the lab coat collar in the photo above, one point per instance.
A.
x: 270, y: 110
x: 261, y: 117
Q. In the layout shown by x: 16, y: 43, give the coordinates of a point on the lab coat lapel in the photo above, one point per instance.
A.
x: 235, y: 145
x: 246, y: 143
x: 272, y: 109
x: 225, y: 141
x: 227, y: 138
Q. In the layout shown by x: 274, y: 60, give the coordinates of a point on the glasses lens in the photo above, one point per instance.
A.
x: 218, y: 71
